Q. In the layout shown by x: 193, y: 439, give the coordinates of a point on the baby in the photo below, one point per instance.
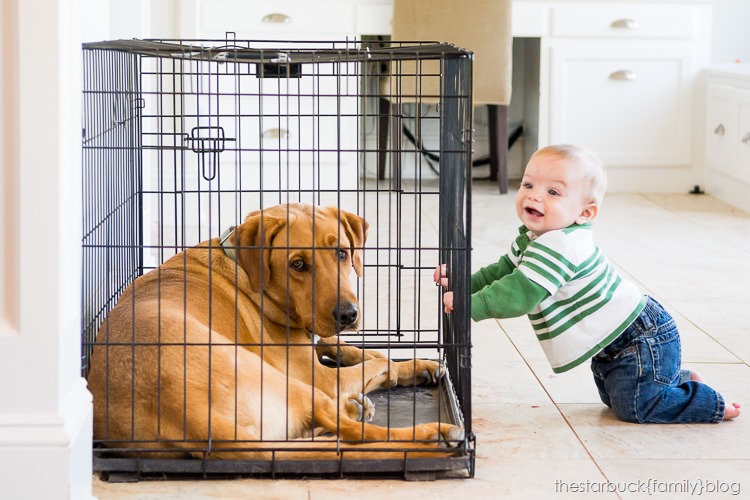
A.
x: 579, y: 305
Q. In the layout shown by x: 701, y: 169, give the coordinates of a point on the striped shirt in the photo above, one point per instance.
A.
x: 589, y: 303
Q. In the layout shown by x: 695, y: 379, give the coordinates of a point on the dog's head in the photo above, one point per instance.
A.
x: 301, y: 257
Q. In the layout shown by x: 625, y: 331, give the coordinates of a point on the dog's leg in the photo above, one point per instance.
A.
x: 403, y: 373
x: 374, y: 374
x: 419, y: 372
x: 348, y: 355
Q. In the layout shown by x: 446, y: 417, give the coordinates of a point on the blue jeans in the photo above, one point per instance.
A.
x: 639, y: 376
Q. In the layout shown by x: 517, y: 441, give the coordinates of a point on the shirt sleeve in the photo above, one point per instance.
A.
x: 493, y: 272
x: 511, y: 296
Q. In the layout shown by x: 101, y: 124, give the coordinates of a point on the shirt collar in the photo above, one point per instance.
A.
x: 525, y: 230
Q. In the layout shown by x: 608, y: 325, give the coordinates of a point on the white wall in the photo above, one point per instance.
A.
x: 45, y: 407
x: 115, y: 19
x: 95, y: 22
x: 731, y: 31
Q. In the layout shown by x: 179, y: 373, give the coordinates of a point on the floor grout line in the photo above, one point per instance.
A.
x: 557, y: 407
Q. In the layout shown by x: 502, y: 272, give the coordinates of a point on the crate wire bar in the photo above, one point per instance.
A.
x: 182, y: 138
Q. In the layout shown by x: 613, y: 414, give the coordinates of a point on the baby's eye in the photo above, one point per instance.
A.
x: 553, y: 192
x: 526, y: 185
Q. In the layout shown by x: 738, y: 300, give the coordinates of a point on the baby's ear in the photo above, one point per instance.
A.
x: 588, y: 214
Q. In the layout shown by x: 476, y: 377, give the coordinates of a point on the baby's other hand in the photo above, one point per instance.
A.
x: 440, y: 275
x: 448, y: 301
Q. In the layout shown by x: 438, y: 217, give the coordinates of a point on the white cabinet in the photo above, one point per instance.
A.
x: 621, y: 80
x: 727, y: 129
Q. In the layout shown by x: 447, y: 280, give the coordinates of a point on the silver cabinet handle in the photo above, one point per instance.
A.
x: 746, y: 138
x: 623, y: 74
x: 719, y: 130
x: 275, y: 133
x: 626, y: 24
x: 277, y: 18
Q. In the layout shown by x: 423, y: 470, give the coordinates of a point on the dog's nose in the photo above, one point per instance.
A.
x: 346, y: 314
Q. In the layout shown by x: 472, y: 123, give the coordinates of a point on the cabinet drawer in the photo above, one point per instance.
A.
x: 623, y: 21
x: 275, y: 20
x: 632, y: 106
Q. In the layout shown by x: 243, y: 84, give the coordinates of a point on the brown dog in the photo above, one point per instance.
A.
x: 215, y: 346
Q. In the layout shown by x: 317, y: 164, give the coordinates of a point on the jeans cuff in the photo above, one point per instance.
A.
x: 719, y: 415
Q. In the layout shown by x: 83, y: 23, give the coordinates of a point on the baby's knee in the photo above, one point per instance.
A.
x: 626, y: 414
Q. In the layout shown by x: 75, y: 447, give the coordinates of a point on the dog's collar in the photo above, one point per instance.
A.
x: 228, y: 247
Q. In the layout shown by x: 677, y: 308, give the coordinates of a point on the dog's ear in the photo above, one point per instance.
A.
x: 355, y: 228
x: 252, y: 239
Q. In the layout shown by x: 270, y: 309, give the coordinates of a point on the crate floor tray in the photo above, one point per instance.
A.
x: 397, y: 407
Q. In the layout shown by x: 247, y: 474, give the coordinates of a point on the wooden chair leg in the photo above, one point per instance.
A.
x: 498, y: 130
x: 384, y: 110
x: 395, y: 129
x: 389, y: 126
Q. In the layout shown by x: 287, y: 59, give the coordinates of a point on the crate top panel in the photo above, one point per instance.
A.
x: 258, y: 51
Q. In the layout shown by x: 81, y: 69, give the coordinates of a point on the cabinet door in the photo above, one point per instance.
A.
x: 631, y: 105
x: 722, y: 127
x: 743, y: 135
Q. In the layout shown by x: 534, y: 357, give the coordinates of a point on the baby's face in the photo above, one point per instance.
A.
x: 552, y: 195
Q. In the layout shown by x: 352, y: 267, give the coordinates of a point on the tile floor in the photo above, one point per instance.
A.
x: 541, y: 435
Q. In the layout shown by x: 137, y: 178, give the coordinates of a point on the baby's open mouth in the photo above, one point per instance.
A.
x: 534, y: 212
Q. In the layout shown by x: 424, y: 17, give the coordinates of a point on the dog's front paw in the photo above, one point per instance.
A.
x: 359, y: 407
x: 428, y: 372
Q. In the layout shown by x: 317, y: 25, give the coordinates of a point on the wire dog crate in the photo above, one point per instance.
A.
x: 183, y: 139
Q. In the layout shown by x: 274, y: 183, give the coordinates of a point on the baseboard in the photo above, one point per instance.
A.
x: 48, y: 455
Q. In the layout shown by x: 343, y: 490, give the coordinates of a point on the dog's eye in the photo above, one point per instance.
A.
x: 343, y: 255
x: 299, y: 265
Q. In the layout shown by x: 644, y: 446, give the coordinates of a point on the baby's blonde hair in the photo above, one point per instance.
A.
x: 594, y: 174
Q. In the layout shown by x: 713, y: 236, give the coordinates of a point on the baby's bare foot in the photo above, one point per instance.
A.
x: 732, y: 411
x: 696, y: 377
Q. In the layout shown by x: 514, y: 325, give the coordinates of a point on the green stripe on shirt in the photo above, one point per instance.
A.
x: 582, y: 314
x: 605, y: 277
